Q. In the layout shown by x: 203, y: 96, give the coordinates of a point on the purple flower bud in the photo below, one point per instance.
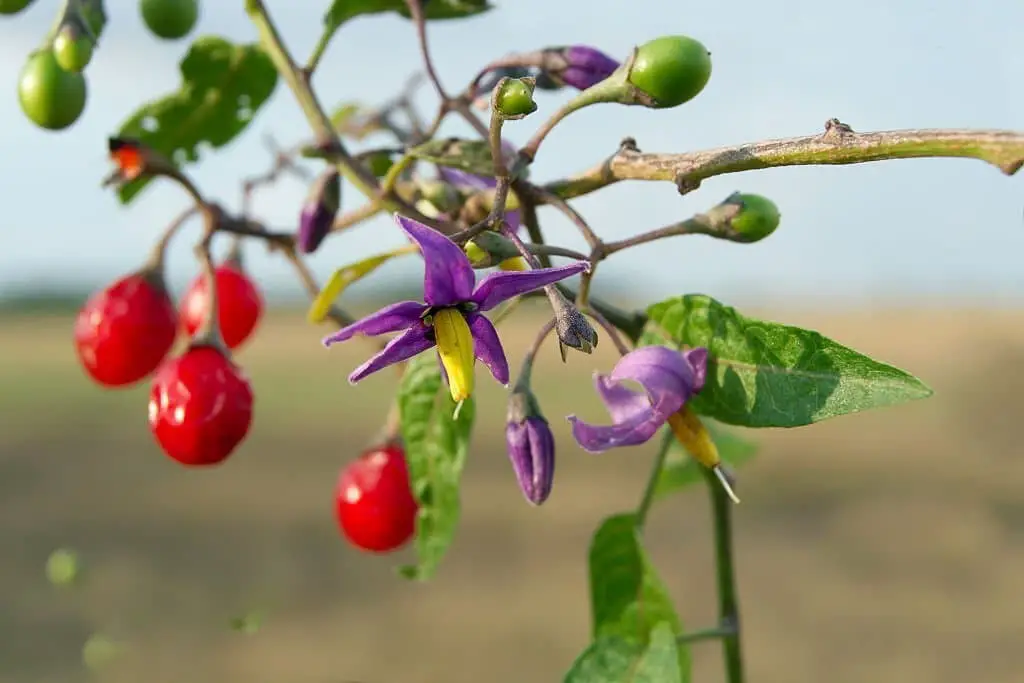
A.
x: 319, y: 211
x: 531, y: 446
x: 583, y: 66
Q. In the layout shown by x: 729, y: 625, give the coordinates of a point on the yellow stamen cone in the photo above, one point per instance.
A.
x: 455, y: 346
x: 516, y: 263
x: 695, y: 438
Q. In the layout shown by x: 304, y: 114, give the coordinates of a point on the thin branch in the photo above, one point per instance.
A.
x: 838, y: 145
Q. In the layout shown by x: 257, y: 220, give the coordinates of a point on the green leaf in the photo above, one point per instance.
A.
x: 766, y: 374
x: 436, y: 443
x: 627, y: 597
x: 341, y: 11
x: 681, y: 471
x: 610, y: 659
x: 473, y: 156
x: 223, y: 85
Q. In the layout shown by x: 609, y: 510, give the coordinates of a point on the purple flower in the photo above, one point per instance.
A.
x: 669, y: 378
x: 319, y: 211
x: 531, y: 446
x: 584, y: 67
x: 451, y: 318
x: 470, y: 182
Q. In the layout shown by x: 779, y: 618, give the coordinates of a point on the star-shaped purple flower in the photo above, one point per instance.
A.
x: 452, y: 316
x: 669, y: 378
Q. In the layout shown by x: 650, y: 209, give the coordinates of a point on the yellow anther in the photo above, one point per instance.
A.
x: 516, y: 263
x: 455, y: 346
x: 695, y: 438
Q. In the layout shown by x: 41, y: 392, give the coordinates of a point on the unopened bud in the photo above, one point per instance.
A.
x: 490, y: 249
x: 578, y: 66
x: 531, y: 445
x: 319, y: 211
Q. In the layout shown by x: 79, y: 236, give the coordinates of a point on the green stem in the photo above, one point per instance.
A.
x: 705, y: 634
x: 728, y: 602
x: 652, y: 481
x: 318, y: 119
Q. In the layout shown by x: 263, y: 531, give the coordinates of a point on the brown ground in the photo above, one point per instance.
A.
x: 882, y: 547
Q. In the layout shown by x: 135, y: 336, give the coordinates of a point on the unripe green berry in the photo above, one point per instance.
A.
x: 11, y: 7
x: 758, y: 217
x: 514, y: 98
x: 72, y: 50
x: 671, y: 69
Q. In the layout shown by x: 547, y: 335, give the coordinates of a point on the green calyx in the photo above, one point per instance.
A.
x: 72, y: 49
x: 758, y: 217
x: 513, y: 98
x: 672, y: 70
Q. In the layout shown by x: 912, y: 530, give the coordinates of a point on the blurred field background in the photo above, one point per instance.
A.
x: 879, y: 547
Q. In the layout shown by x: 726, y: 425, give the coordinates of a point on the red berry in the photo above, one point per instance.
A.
x: 124, y: 331
x: 238, y: 299
x: 200, y: 407
x: 374, y: 504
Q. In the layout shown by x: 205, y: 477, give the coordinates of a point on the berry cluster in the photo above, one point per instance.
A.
x: 201, y: 402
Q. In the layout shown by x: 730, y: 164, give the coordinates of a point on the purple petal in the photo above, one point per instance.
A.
x: 597, y: 439
x: 465, y: 180
x: 668, y: 377
x: 487, y: 347
x: 698, y: 361
x: 586, y: 66
x: 413, y: 341
x: 621, y: 401
x: 661, y: 371
x: 514, y: 219
x: 449, y: 277
x: 388, y: 319
x: 504, y: 285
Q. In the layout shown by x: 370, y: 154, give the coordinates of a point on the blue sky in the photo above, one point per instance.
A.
x: 931, y: 232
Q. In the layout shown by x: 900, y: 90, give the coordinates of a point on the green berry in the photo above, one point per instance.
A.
x: 671, y: 69
x: 170, y: 19
x: 62, y: 567
x: 11, y: 7
x: 99, y: 651
x: 758, y: 217
x: 50, y: 97
x: 515, y: 98
x: 72, y: 50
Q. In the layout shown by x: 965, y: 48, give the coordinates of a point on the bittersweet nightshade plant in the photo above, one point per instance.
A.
x: 451, y: 319
x: 470, y: 202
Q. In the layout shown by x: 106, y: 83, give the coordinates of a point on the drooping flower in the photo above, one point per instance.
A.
x: 584, y: 66
x: 668, y: 380
x: 451, y: 317
x: 531, y: 446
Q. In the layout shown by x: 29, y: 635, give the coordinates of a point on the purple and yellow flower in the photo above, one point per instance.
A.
x: 450, y: 317
x: 668, y: 380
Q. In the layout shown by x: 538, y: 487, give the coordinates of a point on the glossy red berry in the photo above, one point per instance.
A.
x: 200, y: 407
x: 374, y: 504
x: 239, y: 302
x: 123, y: 332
